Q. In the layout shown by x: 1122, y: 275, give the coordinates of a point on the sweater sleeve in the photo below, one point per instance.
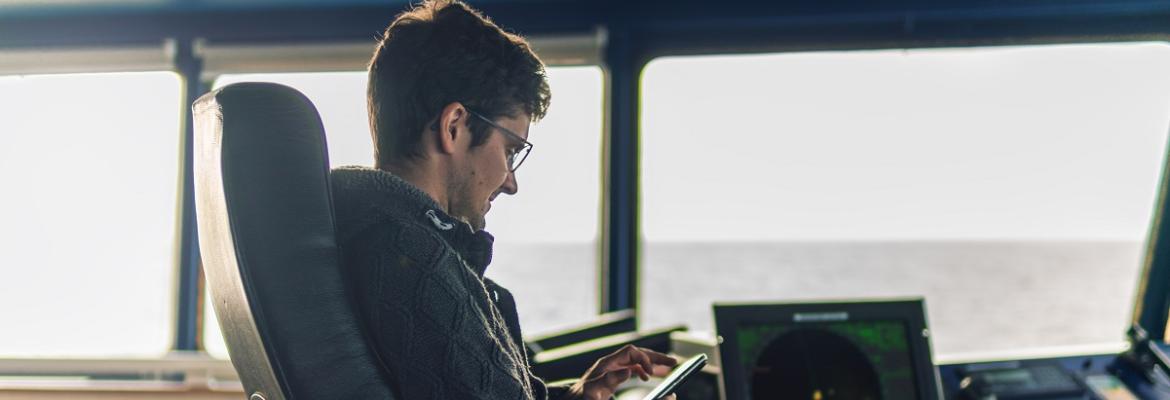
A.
x: 429, y: 323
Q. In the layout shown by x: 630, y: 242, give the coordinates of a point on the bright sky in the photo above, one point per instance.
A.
x: 90, y: 165
x: 1057, y: 142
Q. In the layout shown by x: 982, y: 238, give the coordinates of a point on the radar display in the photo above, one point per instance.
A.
x: 835, y: 360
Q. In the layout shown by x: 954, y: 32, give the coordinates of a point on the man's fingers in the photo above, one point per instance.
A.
x: 648, y: 362
x: 652, y: 356
x: 638, y: 355
x: 660, y: 370
x: 646, y: 357
x: 642, y: 373
x: 659, y: 358
x: 615, y: 369
x: 627, y: 369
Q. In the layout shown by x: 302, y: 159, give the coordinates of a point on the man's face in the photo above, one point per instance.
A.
x: 485, y: 175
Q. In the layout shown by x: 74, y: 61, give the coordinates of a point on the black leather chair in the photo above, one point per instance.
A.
x: 266, y: 234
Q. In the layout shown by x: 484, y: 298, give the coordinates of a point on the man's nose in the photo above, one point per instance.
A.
x: 510, y: 186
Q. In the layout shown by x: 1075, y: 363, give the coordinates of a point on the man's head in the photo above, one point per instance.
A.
x: 437, y: 67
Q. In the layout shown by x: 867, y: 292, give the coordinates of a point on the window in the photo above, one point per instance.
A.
x: 90, y: 165
x: 1011, y: 187
x: 340, y: 98
x: 545, y: 235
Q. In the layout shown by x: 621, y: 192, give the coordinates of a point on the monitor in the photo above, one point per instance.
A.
x: 826, y: 350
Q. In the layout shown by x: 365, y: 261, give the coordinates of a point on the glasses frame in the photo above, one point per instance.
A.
x: 524, y: 149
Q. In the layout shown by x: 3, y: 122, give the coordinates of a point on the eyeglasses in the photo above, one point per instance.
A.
x: 515, y: 156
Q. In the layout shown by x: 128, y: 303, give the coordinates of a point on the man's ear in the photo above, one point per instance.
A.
x: 452, y: 123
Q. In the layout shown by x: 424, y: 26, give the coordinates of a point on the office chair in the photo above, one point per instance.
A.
x: 267, y: 238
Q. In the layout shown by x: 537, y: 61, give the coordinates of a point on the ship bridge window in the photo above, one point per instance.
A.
x: 1012, y: 187
x: 90, y: 166
x: 546, y: 235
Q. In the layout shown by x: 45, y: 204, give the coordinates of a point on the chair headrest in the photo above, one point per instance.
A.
x: 267, y: 239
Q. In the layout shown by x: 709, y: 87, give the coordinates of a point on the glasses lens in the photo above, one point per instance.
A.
x: 518, y: 157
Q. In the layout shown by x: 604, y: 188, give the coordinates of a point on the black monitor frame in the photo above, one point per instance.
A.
x: 912, y: 311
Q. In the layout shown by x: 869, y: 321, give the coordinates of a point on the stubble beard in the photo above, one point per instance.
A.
x: 465, y: 208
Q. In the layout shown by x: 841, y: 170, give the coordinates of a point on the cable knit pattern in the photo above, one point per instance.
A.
x: 437, y: 322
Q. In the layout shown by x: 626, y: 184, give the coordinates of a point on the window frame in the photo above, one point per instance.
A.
x: 626, y: 40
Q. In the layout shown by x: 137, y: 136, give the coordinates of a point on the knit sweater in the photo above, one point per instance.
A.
x: 441, y: 329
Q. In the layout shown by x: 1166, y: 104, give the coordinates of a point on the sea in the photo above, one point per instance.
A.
x: 984, y: 299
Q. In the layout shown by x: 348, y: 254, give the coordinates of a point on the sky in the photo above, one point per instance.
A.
x: 1015, y: 143
x: 90, y: 168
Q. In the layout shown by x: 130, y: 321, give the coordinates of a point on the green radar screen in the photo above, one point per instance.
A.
x: 864, y: 360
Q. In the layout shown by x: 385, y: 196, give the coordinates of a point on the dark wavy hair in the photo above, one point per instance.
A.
x: 441, y: 52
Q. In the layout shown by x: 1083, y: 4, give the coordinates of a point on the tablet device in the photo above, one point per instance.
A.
x: 676, y: 378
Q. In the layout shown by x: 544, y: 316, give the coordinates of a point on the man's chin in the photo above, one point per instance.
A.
x: 477, y: 222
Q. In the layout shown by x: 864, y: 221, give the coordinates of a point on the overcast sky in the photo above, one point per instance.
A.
x: 1058, y: 142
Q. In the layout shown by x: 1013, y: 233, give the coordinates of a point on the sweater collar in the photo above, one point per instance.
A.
x: 362, y: 194
x: 474, y: 246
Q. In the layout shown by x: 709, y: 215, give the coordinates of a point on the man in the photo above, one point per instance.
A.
x: 451, y: 96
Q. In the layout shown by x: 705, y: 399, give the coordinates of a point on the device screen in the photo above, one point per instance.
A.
x: 842, y: 359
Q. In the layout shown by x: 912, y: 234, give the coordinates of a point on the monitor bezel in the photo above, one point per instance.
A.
x: 912, y: 311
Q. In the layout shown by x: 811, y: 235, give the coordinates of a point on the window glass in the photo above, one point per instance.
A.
x: 90, y: 164
x: 545, y: 235
x: 1011, y: 187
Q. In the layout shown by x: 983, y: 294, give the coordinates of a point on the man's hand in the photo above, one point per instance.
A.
x: 602, y: 380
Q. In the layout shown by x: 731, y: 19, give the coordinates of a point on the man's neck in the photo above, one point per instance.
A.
x: 417, y: 175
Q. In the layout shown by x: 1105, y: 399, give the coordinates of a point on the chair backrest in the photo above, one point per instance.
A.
x: 267, y: 239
